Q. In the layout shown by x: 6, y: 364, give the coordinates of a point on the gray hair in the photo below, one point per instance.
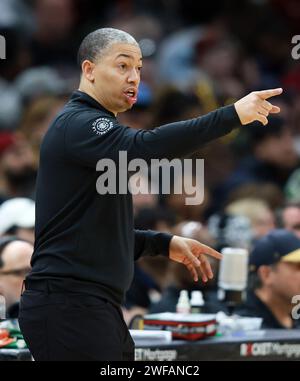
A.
x: 96, y: 43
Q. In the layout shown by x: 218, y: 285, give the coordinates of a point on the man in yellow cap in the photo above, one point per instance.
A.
x: 274, y: 280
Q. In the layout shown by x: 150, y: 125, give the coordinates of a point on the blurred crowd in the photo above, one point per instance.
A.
x: 196, y: 58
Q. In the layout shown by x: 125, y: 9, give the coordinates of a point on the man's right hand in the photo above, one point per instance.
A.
x: 255, y: 106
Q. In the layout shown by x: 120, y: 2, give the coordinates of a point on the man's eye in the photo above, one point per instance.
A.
x: 139, y: 68
x: 122, y: 66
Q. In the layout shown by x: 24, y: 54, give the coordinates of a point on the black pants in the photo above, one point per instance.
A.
x: 73, y: 327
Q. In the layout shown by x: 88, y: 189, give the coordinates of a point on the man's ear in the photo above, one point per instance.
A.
x: 88, y: 70
x: 264, y: 273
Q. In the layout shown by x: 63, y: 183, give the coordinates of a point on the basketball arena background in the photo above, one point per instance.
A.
x: 197, y: 56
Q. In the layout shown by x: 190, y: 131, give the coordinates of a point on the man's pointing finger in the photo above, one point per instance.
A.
x: 265, y: 94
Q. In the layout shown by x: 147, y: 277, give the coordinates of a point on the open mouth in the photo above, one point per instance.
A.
x: 131, y: 95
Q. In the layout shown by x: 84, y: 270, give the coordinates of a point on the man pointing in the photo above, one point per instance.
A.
x: 85, y: 243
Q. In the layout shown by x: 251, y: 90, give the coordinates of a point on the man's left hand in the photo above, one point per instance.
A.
x: 192, y: 254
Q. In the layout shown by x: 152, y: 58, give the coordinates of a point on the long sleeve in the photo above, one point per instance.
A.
x: 152, y: 243
x: 87, y: 144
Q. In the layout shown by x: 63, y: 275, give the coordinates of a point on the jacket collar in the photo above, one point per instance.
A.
x: 82, y: 97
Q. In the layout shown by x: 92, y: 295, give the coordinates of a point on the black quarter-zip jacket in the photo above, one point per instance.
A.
x: 82, y: 235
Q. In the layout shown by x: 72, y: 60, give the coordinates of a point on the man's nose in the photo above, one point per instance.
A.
x: 134, y: 77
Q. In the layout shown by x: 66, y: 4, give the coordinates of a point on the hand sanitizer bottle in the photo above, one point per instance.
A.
x: 183, y: 304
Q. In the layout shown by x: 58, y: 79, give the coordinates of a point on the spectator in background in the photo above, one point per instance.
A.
x: 257, y: 211
x: 290, y: 218
x: 229, y: 230
x: 178, y: 49
x: 270, y: 194
x: 41, y: 81
x: 17, y: 169
x: 292, y: 187
x: 15, y: 256
x: 17, y: 218
x: 6, y: 140
x: 16, y: 24
x: 54, y: 39
x: 218, y: 61
x: 28, y: 87
x: 274, y: 278
x: 10, y: 107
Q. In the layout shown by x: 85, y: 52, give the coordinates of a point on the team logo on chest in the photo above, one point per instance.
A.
x: 102, y: 125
